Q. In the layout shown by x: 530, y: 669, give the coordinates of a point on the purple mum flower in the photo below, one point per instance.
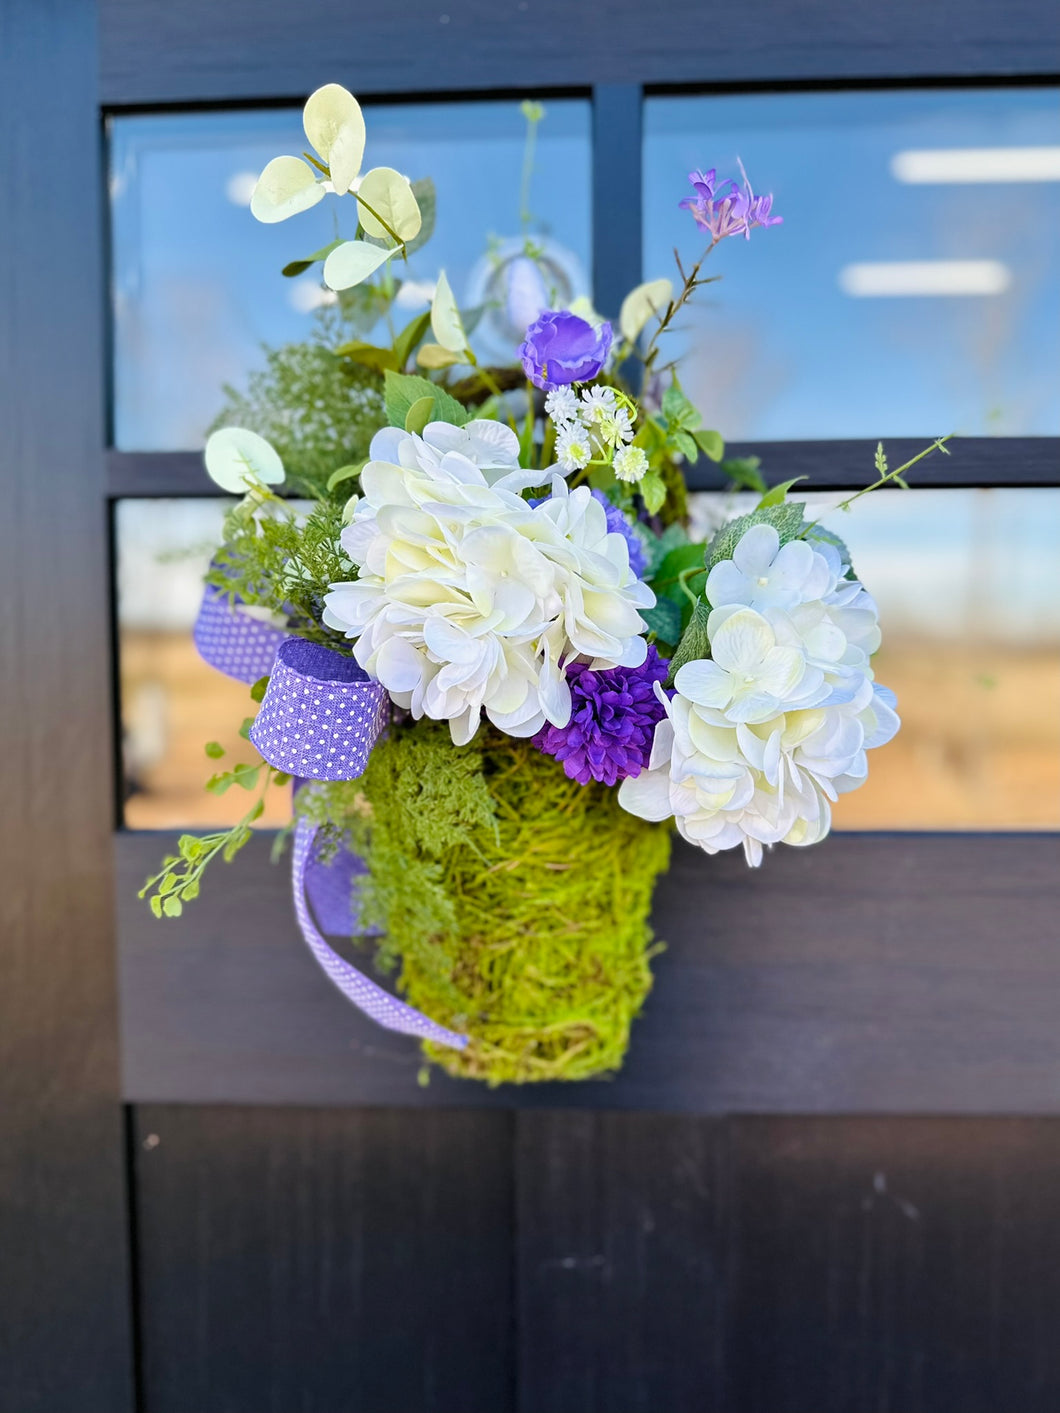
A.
x: 613, y: 718
x: 618, y: 524
x: 560, y: 348
x: 725, y: 210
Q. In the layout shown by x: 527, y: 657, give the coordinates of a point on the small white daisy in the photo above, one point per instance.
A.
x: 573, y: 449
x: 630, y: 463
x: 616, y: 427
x: 598, y: 403
x: 562, y: 405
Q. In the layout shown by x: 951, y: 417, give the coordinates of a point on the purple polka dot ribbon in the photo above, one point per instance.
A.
x: 384, y: 1009
x: 321, y: 714
x: 233, y: 641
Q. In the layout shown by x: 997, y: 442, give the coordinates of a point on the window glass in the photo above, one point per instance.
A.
x: 914, y: 287
x: 968, y: 584
x: 196, y: 280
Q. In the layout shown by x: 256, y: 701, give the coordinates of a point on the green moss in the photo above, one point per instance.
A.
x: 514, y: 902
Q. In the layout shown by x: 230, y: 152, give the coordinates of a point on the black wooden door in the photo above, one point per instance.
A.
x: 827, y: 1178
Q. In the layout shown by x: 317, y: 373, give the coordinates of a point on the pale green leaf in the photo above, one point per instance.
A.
x: 334, y: 125
x: 446, y: 324
x: 353, y: 261
x: 419, y: 414
x: 433, y: 355
x: 286, y: 186
x: 776, y: 494
x: 236, y: 458
x: 641, y: 304
x: 392, y: 201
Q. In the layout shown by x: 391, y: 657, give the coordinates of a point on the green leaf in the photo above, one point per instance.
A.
x: 695, y: 643
x: 246, y: 776
x: 280, y: 777
x: 190, y: 891
x: 684, y: 557
x: 743, y: 471
x: 156, y: 905
x: 345, y: 473
x: 401, y: 390
x: 214, y: 750
x: 419, y: 414
x: 299, y: 267
x: 427, y: 200
x: 218, y: 784
x: 677, y: 409
x: 776, y: 494
x: 710, y: 443
x: 369, y: 355
x: 409, y: 337
x: 168, y: 884
x: 786, y: 519
x: 652, y: 490
x: 172, y: 906
x: 257, y: 692
x: 244, y: 730
x: 686, y: 446
x: 664, y: 620
x: 190, y: 848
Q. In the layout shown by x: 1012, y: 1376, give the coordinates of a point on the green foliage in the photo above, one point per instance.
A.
x: 404, y: 390
x: 285, y: 562
x: 318, y: 410
x: 513, y: 901
x: 179, y: 879
x: 743, y: 472
x: 778, y: 493
x: 694, y: 642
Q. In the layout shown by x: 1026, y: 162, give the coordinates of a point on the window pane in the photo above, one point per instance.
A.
x: 172, y: 703
x: 914, y: 287
x: 196, y: 280
x: 968, y: 585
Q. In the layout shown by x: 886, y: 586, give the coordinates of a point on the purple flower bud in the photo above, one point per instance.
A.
x: 725, y: 210
x: 560, y: 348
x: 613, y: 717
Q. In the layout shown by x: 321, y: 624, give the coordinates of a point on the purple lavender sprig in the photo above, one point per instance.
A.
x: 724, y: 210
x: 614, y: 713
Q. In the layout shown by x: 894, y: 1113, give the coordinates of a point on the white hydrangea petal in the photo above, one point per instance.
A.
x: 398, y: 665
x: 334, y: 125
x: 756, y: 550
x: 726, y: 584
x: 286, y: 187
x: 647, y: 795
x: 704, y: 683
x: 742, y: 641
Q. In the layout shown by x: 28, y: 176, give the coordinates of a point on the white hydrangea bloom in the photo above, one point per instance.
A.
x: 761, y: 739
x: 470, y: 600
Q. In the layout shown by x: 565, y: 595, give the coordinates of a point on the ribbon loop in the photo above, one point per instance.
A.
x: 232, y: 640
x: 321, y: 714
x: 379, y: 1005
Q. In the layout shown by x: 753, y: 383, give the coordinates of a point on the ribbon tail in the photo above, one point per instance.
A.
x: 386, y: 1010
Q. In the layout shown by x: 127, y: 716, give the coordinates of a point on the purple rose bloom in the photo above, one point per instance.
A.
x: 560, y: 348
x: 613, y: 718
x: 618, y: 524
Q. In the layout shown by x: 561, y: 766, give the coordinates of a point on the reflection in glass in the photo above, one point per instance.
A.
x: 914, y: 287
x: 196, y: 281
x: 968, y: 584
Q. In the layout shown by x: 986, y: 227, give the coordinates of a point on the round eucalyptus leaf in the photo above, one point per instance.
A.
x: 353, y: 261
x: 334, y: 125
x: 641, y: 304
x: 392, y: 200
x: 446, y: 323
x: 236, y: 458
x: 286, y: 186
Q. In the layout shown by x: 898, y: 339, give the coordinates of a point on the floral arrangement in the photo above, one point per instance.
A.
x: 490, y: 653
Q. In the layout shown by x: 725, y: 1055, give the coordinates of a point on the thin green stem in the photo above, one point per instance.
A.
x: 939, y: 444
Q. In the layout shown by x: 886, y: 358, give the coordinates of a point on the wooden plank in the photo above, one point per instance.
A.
x: 156, y: 52
x: 621, y: 1262
x: 881, y: 973
x: 894, y: 1264
x: 324, y: 1260
x: 828, y: 465
x: 64, y: 1319
x: 617, y: 195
